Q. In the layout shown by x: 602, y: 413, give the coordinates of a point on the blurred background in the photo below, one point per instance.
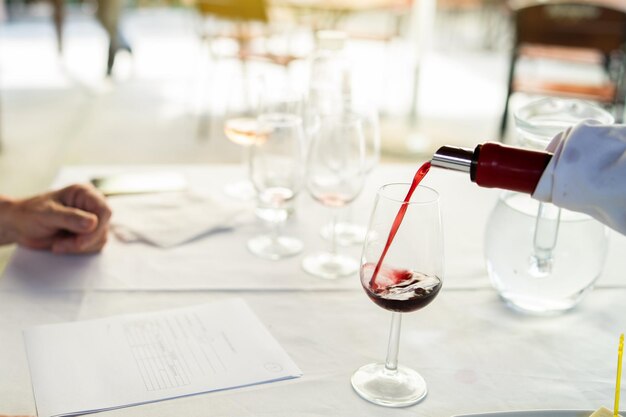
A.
x: 152, y: 81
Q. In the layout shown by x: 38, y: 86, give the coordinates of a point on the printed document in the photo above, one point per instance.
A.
x: 96, y: 365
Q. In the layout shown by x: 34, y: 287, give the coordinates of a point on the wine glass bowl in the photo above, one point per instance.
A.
x: 401, y: 290
x: 336, y: 162
x: 347, y: 232
x: 335, y: 176
x: 401, y: 271
x: 244, y: 131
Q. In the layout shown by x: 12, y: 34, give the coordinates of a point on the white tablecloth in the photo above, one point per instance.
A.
x: 475, y: 354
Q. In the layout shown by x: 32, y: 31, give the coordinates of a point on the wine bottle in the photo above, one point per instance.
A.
x: 493, y: 165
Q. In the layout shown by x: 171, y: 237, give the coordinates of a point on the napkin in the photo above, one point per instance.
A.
x: 170, y: 219
x: 588, y: 172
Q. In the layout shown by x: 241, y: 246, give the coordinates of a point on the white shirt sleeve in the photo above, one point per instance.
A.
x: 588, y: 172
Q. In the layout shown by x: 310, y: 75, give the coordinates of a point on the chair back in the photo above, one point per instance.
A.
x: 242, y: 10
x: 577, y: 24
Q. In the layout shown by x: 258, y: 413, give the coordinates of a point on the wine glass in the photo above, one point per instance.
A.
x: 241, y: 128
x: 409, y: 277
x: 281, y: 100
x: 347, y: 232
x: 335, y: 176
x: 241, y: 131
x: 277, y: 172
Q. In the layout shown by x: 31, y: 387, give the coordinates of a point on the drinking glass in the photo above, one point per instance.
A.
x: 242, y: 131
x: 281, y: 100
x: 243, y: 127
x: 277, y: 172
x: 409, y: 278
x: 347, y: 231
x: 335, y: 176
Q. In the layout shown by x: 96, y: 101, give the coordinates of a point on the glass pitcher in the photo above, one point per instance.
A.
x: 542, y: 259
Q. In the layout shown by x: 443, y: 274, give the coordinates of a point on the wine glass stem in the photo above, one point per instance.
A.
x: 333, y: 232
x: 347, y: 213
x: 276, y: 230
x: 391, y: 364
x: 247, y: 159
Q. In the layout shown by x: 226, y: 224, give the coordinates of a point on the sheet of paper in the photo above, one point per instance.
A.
x: 120, y: 361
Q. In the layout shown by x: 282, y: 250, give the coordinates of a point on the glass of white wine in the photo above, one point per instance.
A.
x: 245, y: 132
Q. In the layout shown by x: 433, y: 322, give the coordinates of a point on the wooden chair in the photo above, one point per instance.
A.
x: 243, y: 14
x: 589, y: 32
x: 247, y: 22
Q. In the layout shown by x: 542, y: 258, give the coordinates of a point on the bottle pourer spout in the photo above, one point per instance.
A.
x: 450, y: 157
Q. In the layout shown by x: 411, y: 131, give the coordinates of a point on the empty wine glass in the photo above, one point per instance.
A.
x: 335, y: 174
x: 277, y: 172
x: 409, y: 278
x: 347, y: 231
x: 281, y: 100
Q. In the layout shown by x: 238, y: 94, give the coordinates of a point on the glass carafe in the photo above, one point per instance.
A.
x: 542, y: 259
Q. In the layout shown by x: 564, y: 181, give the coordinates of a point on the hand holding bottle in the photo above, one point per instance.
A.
x: 588, y: 173
x: 583, y: 169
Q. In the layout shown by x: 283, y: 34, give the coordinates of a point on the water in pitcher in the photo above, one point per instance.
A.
x: 576, y: 260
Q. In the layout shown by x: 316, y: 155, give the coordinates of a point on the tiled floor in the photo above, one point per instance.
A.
x: 60, y: 110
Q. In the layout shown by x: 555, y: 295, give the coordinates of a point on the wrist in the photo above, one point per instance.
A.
x: 8, y: 227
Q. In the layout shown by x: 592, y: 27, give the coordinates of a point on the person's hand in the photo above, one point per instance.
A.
x: 74, y: 219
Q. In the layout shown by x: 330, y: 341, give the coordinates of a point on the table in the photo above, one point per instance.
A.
x: 475, y: 354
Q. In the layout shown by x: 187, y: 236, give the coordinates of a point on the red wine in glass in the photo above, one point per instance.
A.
x: 401, y: 290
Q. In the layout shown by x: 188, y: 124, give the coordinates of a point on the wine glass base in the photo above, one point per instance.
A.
x: 241, y: 190
x: 272, y: 248
x: 400, y: 388
x: 346, y: 234
x: 329, y: 266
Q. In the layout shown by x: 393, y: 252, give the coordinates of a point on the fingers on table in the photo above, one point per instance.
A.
x: 82, y: 243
